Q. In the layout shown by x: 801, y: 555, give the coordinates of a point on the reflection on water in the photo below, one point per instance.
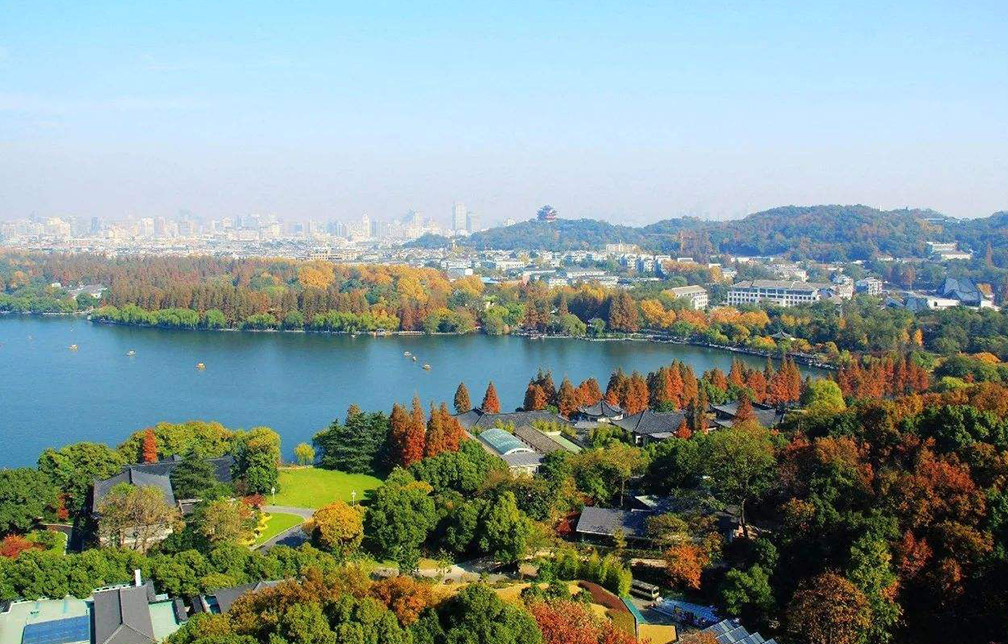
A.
x: 120, y: 379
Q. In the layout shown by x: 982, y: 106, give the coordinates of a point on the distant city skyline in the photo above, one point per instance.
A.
x: 630, y: 112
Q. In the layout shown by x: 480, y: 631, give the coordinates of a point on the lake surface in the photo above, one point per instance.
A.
x: 295, y: 383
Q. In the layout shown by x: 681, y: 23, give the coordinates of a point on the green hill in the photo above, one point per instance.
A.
x: 562, y: 234
x: 825, y: 232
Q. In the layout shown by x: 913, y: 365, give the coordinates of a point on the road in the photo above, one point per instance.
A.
x: 292, y: 537
x: 304, y: 513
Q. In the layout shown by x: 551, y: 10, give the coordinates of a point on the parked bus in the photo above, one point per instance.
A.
x: 644, y: 590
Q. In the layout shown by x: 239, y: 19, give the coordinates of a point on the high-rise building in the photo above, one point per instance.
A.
x: 459, y: 214
x: 472, y: 222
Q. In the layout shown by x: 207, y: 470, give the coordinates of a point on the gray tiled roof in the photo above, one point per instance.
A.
x: 696, y: 501
x: 156, y: 475
x: 962, y: 289
x: 226, y: 597
x: 601, y: 409
x: 648, y: 423
x: 605, y: 522
x: 537, y: 440
x: 522, y: 459
x: 222, y: 466
x: 479, y: 420
x: 133, y: 476
x: 122, y: 616
x: 767, y: 416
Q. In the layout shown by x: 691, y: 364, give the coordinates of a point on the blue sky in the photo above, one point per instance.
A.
x: 627, y: 111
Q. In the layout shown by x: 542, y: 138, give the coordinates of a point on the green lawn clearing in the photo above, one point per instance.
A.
x: 312, y: 487
x: 275, y: 524
x: 49, y: 540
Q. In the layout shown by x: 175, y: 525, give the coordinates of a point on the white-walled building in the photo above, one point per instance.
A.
x: 695, y: 295
x: 777, y: 292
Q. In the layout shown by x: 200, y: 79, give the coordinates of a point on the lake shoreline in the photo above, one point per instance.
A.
x: 656, y: 337
x: 119, y: 378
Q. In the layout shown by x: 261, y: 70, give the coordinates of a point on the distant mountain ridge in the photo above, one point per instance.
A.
x: 823, y: 232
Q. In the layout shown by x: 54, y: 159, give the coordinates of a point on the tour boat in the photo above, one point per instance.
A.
x: 406, y: 354
x: 200, y: 366
x: 426, y: 367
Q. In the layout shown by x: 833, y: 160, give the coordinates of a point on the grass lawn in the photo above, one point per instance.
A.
x: 311, y: 487
x: 43, y: 537
x: 275, y: 524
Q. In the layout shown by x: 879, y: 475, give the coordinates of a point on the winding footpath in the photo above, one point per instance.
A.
x: 293, y: 536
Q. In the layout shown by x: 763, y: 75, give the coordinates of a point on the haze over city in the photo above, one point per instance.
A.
x: 630, y: 113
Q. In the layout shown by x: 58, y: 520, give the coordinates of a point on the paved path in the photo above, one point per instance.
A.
x: 463, y: 571
x: 292, y: 537
x: 304, y: 513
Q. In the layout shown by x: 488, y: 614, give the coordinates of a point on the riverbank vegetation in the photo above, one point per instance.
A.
x: 263, y: 294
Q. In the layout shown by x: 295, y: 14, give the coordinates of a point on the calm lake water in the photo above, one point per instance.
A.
x: 295, y: 383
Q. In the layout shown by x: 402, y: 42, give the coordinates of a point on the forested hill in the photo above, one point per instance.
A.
x: 828, y: 232
x: 562, y: 234
x: 988, y: 232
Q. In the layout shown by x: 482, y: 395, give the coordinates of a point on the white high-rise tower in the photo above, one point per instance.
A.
x: 459, y: 213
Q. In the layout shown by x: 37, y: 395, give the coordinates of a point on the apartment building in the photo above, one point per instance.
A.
x: 777, y: 292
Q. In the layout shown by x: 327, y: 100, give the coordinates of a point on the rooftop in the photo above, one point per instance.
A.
x: 652, y: 423
x: 476, y: 419
x: 522, y: 459
x: 601, y: 409
x: 767, y: 416
x: 157, y: 475
x: 605, y: 521
x: 539, y: 441
x: 502, y: 442
x: 731, y: 631
x: 122, y: 616
x: 28, y: 613
x: 786, y: 285
x: 679, y: 291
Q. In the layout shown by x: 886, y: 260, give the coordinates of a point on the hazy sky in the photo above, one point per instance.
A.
x: 628, y: 111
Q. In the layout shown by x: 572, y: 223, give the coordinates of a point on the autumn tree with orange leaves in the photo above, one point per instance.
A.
x: 407, y: 434
x: 462, y: 403
x: 684, y: 563
x: 829, y: 610
x: 148, y: 451
x: 491, y: 403
x: 535, y: 398
x: 404, y: 595
x: 568, y: 622
x: 444, y: 433
x: 567, y: 399
x: 589, y: 392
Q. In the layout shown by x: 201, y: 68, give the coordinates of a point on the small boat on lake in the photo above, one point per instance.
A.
x: 426, y: 367
x: 131, y: 353
x: 73, y: 347
x: 414, y: 358
x: 406, y: 354
x: 200, y: 366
